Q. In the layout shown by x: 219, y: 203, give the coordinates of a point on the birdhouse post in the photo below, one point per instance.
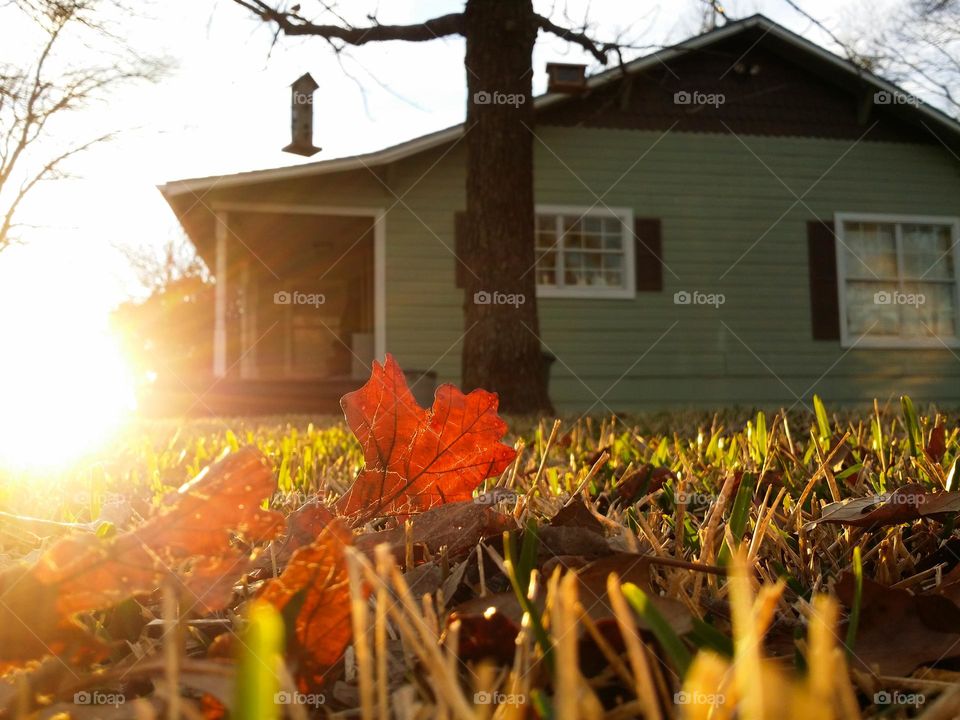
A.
x: 301, y: 116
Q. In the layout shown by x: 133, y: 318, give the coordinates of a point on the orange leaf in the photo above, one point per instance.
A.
x: 315, y: 584
x: 418, y: 459
x: 191, y: 540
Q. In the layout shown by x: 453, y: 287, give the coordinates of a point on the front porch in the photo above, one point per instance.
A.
x: 298, y: 313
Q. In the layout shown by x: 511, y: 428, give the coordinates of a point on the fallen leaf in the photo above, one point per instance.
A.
x: 937, y: 445
x: 313, y: 592
x: 630, y: 568
x: 417, y: 459
x: 459, y: 526
x: 645, y: 479
x: 905, y: 504
x: 190, y: 541
x: 899, y: 631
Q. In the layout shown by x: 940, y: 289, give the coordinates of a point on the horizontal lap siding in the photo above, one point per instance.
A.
x: 715, y: 199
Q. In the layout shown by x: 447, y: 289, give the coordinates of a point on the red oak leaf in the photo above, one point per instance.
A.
x: 417, y: 459
x: 192, y: 540
x: 315, y: 585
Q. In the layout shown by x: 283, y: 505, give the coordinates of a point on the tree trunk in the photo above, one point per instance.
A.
x: 501, y: 350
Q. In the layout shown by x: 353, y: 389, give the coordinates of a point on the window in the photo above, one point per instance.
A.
x: 584, y: 252
x: 897, y: 280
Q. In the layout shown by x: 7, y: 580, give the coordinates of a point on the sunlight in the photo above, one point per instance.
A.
x: 65, y: 388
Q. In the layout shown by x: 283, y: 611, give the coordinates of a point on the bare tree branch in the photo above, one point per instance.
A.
x: 290, y: 23
x: 33, y: 93
x: 578, y: 37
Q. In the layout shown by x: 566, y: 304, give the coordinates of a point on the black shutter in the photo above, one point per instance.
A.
x: 648, y: 255
x: 822, y: 259
x: 459, y: 248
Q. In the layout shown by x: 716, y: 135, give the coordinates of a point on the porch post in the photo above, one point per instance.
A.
x: 248, y: 325
x: 220, y: 298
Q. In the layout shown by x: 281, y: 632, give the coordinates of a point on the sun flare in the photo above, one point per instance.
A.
x: 65, y: 387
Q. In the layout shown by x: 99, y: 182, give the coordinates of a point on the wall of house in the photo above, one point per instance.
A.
x: 717, y: 201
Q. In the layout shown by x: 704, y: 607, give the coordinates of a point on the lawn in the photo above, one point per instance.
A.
x: 676, y: 565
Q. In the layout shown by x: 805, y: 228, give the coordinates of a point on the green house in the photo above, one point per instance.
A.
x: 743, y: 218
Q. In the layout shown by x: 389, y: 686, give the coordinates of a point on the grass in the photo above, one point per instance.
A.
x: 743, y: 492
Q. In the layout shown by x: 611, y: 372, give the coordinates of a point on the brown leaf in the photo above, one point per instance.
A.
x: 905, y: 504
x: 459, y: 526
x: 645, y: 479
x: 190, y: 541
x: 899, y: 631
x: 315, y: 588
x: 937, y: 445
x: 417, y: 459
x: 631, y: 568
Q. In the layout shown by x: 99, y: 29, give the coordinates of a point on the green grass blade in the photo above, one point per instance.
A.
x: 258, y: 676
x: 823, y: 422
x: 671, y: 642
x: 510, y: 563
x: 705, y: 635
x: 857, y: 599
x: 739, y: 515
x: 914, y: 436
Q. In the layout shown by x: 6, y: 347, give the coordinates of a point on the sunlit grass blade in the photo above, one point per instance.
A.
x: 671, y: 642
x: 857, y: 599
x: 739, y: 515
x: 258, y: 675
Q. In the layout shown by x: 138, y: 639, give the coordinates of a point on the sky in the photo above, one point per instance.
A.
x: 223, y: 107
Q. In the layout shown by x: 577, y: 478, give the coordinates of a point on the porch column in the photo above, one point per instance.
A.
x: 250, y: 295
x: 220, y: 298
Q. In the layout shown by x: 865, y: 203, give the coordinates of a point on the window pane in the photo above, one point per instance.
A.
x: 871, y: 250
x: 929, y: 310
x: 926, y: 252
x: 572, y: 237
x: 871, y: 310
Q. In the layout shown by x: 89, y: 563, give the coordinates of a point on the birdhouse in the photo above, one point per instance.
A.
x: 566, y: 77
x: 301, y: 116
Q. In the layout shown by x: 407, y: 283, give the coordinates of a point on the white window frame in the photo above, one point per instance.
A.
x: 839, y: 221
x: 625, y: 216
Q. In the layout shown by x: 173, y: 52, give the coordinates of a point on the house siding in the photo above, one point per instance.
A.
x: 714, y: 199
